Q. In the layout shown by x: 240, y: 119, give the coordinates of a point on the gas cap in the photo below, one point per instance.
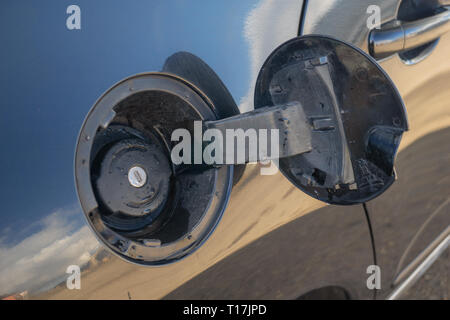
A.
x: 122, y: 183
x: 339, y: 117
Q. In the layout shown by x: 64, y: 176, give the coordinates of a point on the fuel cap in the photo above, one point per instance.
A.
x: 134, y: 178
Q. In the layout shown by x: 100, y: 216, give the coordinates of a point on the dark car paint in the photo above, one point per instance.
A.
x: 417, y: 205
x: 274, y: 241
x: 328, y: 247
x: 334, y: 241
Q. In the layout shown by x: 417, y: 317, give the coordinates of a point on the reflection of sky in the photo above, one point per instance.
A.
x: 50, y: 77
x: 45, y: 255
x: 267, y: 26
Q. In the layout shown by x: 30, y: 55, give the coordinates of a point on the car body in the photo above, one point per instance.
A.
x: 274, y: 241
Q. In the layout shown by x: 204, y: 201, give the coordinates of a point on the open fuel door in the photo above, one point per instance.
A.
x: 337, y: 115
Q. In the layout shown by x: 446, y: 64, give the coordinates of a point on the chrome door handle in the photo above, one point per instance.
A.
x: 408, y: 35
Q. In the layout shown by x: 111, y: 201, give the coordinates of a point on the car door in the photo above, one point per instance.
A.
x: 274, y: 241
x: 412, y: 220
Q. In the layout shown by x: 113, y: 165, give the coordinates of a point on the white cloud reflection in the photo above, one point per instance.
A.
x: 43, y: 257
x: 267, y: 26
